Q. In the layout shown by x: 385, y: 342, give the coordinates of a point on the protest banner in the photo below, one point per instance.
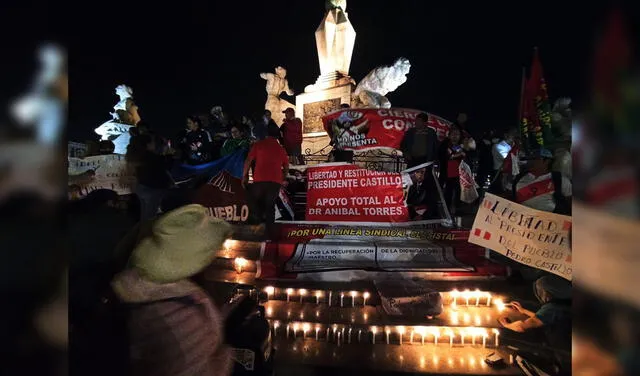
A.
x: 371, y: 128
x: 343, y: 192
x: 225, y: 198
x: 111, y: 172
x: 531, y: 237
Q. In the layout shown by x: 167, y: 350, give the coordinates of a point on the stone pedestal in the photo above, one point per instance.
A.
x: 312, y: 106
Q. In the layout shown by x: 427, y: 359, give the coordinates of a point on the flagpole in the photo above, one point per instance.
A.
x: 524, y: 135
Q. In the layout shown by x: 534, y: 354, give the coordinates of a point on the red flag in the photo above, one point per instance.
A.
x: 537, y: 88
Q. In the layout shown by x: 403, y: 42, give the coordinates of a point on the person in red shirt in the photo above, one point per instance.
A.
x: 292, y: 136
x: 270, y: 168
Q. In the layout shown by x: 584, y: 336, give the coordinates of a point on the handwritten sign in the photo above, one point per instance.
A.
x: 111, y: 172
x: 528, y: 236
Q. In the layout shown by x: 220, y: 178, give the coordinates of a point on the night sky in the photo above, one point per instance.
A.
x: 184, y: 57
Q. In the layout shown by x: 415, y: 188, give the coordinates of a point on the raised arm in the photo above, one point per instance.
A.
x: 265, y: 76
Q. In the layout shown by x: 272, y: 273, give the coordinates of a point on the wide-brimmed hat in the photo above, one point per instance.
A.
x: 182, y: 243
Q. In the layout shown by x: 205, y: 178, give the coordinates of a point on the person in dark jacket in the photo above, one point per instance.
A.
x: 420, y: 143
x: 195, y: 143
x: 152, y: 173
x: 451, y: 154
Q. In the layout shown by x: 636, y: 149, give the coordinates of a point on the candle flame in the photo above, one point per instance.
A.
x: 289, y: 291
x: 269, y: 311
x: 366, y: 295
x: 270, y: 290
x: 295, y: 326
x: 228, y: 244
x: 365, y: 316
x: 478, y: 320
x: 496, y: 331
x: 421, y: 330
x: 387, y: 330
x: 455, y: 293
x: 467, y: 318
x: 239, y: 263
x: 302, y: 292
x: 374, y: 329
x: 454, y: 318
x: 499, y: 304
x: 318, y: 294
x: 276, y: 324
x: 342, y: 294
x: 401, y: 329
x: 353, y: 294
x: 306, y: 327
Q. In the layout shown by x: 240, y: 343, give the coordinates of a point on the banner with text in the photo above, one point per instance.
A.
x: 374, y: 128
x: 348, y: 193
x: 531, y: 237
x: 110, y: 172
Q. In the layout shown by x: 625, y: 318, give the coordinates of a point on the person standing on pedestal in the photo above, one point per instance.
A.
x: 291, y: 130
x: 270, y: 168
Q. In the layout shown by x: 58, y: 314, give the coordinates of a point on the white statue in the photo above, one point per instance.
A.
x: 276, y: 84
x: 332, y: 4
x: 125, y: 116
x: 372, y: 90
x: 44, y: 107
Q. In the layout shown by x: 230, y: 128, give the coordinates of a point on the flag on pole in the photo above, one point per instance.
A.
x: 541, y: 118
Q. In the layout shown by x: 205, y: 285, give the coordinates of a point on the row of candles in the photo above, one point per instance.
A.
x: 344, y: 334
x: 454, y: 297
x: 455, y: 318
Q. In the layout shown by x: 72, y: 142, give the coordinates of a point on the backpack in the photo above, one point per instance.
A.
x: 562, y: 203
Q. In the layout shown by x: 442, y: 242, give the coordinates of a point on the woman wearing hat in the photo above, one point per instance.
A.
x: 174, y: 327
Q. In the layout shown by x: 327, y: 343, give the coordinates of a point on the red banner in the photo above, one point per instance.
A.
x: 348, y: 193
x: 375, y: 128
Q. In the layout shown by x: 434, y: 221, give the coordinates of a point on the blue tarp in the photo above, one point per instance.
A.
x: 233, y: 163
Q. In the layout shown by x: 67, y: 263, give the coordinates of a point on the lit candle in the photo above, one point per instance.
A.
x: 302, y: 293
x: 305, y: 329
x: 499, y: 303
x: 302, y: 315
x: 478, y: 294
x: 269, y: 311
x: 341, y: 298
x: 462, y: 333
x: 276, y: 324
x: 401, y: 331
x: 329, y: 301
x: 454, y: 318
x: 318, y: 313
x: 288, y: 314
x: 435, y: 336
x: 328, y: 333
x: 454, y: 294
x: 449, y: 333
x: 473, y: 337
x: 484, y: 339
x: 359, y: 335
x: 465, y: 295
x: 478, y: 320
x: 342, y: 333
x: 365, y: 296
x: 497, y: 333
x: 335, y: 329
x: 317, y: 331
x: 239, y: 264
x: 287, y: 330
x: 289, y: 292
x: 388, y: 331
x: 488, y: 296
x: 411, y: 336
x: 318, y: 295
x: 353, y: 298
x: 295, y: 329
x: 373, y: 334
x: 349, y: 341
x: 338, y: 340
x: 270, y: 290
x: 467, y: 318
x: 365, y: 316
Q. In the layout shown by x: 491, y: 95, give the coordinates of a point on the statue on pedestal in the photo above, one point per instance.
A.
x: 276, y: 84
x: 372, y: 90
x: 125, y: 116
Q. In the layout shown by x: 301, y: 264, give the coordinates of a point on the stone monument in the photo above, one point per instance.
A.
x: 335, y: 39
x: 277, y: 84
x: 382, y: 80
x: 125, y: 116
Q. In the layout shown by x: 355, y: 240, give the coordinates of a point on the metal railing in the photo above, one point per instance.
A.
x: 378, y: 160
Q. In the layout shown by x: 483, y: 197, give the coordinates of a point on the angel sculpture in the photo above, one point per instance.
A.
x: 372, y: 90
x: 125, y: 116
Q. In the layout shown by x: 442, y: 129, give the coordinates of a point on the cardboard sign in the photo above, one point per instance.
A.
x: 111, y: 172
x: 531, y: 237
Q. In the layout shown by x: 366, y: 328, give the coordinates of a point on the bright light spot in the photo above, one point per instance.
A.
x: 374, y: 330
x: 270, y: 290
x: 276, y: 324
x: 366, y: 295
x: 365, y: 316
x: 472, y: 361
x: 353, y: 294
x: 450, y: 362
x: 318, y: 294
x: 499, y: 303
x: 239, y: 263
x: 435, y: 360
x: 228, y: 244
x: 306, y: 327
x: 289, y: 291
x: 454, y: 318
x: 467, y: 318
x: 422, y: 362
x: 478, y: 320
x: 269, y: 311
x: 317, y: 313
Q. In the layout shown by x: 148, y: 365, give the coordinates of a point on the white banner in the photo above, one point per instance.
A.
x: 110, y: 173
x: 528, y: 236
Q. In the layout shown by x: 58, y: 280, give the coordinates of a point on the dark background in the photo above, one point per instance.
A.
x: 184, y: 57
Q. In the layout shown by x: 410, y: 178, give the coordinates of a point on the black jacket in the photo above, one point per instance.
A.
x: 431, y: 147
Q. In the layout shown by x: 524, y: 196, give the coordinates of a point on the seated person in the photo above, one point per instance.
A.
x: 554, y: 316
